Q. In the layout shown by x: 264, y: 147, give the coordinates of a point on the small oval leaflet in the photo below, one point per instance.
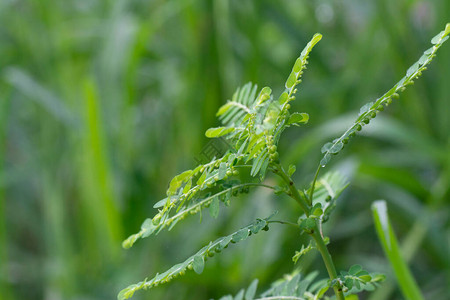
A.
x: 240, y: 295
x: 258, y: 226
x: 437, y: 37
x: 198, y: 264
x: 307, y: 224
x: 223, y: 109
x: 266, y: 90
x: 412, y: 69
x: 326, y: 159
x: 177, y: 181
x: 240, y: 235
x: 290, y: 82
x: 355, y: 269
x: 297, y: 118
x: 336, y: 147
x: 423, y: 59
x: 214, y: 207
x: 297, y: 66
x: 222, y: 170
x: 283, y: 98
x: 251, y: 291
x: 326, y: 147
x: 365, y: 108
x: 160, y: 203
x: 429, y: 51
x: 333, y: 147
x: 365, y: 278
x: 147, y: 228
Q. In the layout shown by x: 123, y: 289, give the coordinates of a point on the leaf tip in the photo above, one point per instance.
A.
x: 128, y: 243
x: 127, y: 292
x: 316, y: 38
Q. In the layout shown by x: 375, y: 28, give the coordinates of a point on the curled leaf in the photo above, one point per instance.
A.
x: 297, y: 118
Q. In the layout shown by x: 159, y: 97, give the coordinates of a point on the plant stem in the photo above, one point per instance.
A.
x: 326, y: 256
x: 320, y: 244
x: 294, y: 192
x: 283, y: 222
x: 311, y: 194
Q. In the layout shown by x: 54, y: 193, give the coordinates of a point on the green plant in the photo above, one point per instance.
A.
x: 253, y: 124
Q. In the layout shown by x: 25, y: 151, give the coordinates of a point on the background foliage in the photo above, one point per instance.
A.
x: 103, y: 102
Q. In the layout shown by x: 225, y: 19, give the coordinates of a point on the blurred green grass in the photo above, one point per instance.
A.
x: 102, y: 102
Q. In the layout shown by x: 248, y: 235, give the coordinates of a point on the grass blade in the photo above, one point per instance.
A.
x: 97, y: 183
x: 388, y: 241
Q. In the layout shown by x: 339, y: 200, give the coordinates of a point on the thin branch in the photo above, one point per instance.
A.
x: 284, y: 223
x: 281, y: 298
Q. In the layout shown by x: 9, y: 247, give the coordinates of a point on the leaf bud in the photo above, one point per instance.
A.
x: 273, y: 149
x: 274, y: 156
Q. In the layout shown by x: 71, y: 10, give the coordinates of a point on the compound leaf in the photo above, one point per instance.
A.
x: 196, y: 261
x: 370, y: 110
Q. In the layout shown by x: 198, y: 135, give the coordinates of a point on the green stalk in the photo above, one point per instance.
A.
x: 320, y: 244
x: 326, y: 256
x: 313, y: 186
x: 294, y: 191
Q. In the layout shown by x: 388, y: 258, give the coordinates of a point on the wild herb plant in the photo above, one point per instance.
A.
x: 253, y: 123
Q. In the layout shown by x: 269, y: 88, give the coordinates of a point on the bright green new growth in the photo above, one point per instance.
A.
x: 253, y: 123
